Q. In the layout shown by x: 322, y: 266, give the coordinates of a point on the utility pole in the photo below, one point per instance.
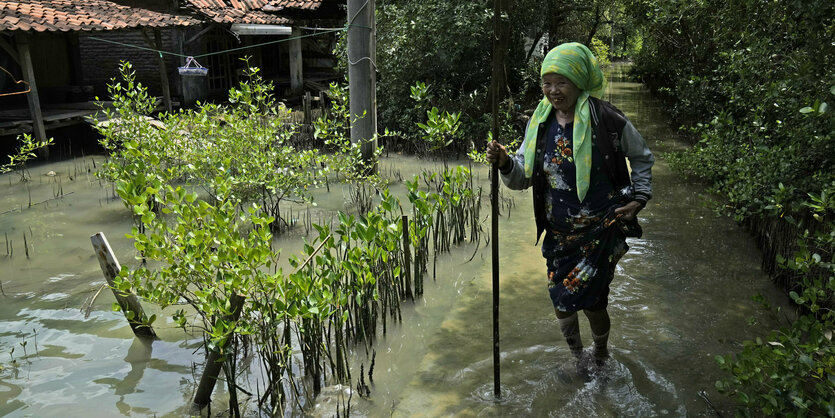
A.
x: 362, y: 80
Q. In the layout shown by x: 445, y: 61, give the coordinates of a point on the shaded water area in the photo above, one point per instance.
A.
x: 681, y: 295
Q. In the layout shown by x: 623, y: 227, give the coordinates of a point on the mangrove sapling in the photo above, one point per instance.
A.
x: 346, y: 162
x: 24, y: 153
x: 210, y: 255
x: 208, y: 250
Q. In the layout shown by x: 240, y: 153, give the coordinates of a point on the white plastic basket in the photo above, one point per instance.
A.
x: 197, y: 70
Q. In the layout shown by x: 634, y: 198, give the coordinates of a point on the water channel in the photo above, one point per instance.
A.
x: 681, y: 295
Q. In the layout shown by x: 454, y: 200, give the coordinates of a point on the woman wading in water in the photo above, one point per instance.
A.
x: 585, y: 201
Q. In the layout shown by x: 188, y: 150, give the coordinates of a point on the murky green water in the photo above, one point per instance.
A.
x: 680, y: 297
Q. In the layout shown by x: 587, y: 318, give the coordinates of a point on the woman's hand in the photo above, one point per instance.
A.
x: 497, y: 153
x: 629, y: 211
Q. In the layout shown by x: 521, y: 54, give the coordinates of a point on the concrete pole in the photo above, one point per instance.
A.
x: 296, y: 67
x: 362, y: 79
x: 34, y: 102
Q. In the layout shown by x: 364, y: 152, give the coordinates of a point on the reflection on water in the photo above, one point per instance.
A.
x: 680, y: 297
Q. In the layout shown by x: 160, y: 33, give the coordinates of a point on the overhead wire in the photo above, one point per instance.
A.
x: 222, y: 51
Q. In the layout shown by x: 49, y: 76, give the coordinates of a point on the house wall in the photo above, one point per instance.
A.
x: 50, y: 60
x: 100, y: 60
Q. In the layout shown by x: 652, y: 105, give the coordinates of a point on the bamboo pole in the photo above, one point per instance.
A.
x: 128, y: 301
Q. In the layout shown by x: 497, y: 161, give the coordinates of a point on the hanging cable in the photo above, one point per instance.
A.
x: 28, y: 87
x: 217, y: 52
x: 351, y: 23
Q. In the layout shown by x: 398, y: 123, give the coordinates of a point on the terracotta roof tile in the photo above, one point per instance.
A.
x: 279, y: 5
x: 250, y: 11
x: 237, y: 11
x: 81, y: 15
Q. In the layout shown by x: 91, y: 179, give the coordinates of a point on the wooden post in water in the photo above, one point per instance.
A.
x: 323, y: 111
x: 128, y: 301
x: 215, y: 361
x: 306, y: 101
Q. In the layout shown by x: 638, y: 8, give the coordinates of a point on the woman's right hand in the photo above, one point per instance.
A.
x: 497, y: 153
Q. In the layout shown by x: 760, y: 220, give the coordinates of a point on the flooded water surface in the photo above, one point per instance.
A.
x: 681, y: 296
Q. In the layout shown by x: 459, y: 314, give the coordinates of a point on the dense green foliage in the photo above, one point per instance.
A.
x: 752, y: 81
x: 446, y: 44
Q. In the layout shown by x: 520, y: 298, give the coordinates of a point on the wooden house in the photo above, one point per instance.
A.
x: 67, y: 51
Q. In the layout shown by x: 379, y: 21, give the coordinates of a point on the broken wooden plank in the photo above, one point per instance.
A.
x: 127, y: 301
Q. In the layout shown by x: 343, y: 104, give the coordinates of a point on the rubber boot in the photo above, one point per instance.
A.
x: 570, y: 327
x: 600, y: 325
x: 601, y: 350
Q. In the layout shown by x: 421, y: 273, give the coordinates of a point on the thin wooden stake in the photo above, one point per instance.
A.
x: 407, y: 257
x: 128, y: 301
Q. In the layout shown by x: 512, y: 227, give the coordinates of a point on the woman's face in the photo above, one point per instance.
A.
x: 560, y: 91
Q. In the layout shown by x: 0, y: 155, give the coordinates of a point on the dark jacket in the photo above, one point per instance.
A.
x: 615, y: 138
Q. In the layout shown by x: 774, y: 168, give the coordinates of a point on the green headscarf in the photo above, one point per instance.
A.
x: 576, y: 62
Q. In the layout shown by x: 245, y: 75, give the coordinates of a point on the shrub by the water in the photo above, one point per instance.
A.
x: 752, y: 81
x: 205, y: 219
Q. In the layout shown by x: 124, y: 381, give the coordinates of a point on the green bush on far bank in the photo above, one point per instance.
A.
x: 753, y: 81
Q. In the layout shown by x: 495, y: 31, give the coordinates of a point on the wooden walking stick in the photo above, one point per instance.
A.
x: 498, y: 66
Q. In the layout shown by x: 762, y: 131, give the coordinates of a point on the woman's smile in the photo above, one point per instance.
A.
x: 561, y: 92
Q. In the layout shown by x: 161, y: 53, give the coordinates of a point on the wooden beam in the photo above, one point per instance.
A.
x: 10, y: 49
x: 199, y: 34
x: 32, y: 97
x: 296, y: 67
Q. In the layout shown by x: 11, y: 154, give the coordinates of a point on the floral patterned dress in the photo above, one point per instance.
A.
x: 581, y: 245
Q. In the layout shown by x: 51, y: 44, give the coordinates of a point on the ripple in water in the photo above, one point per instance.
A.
x: 54, y: 296
x: 60, y: 277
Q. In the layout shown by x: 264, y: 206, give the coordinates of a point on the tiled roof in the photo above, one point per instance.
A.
x: 230, y: 15
x: 279, y: 5
x: 236, y: 11
x: 81, y: 15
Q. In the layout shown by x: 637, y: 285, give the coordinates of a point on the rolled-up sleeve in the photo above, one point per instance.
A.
x: 640, y: 160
